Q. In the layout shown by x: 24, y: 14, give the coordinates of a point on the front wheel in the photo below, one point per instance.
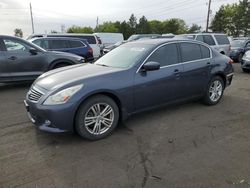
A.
x: 97, y: 117
x: 214, y: 91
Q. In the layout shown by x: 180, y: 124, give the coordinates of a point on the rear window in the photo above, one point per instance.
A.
x: 190, y: 52
x: 208, y: 39
x: 222, y: 39
x: 76, y: 44
x: 205, y: 52
x: 90, y: 39
x: 58, y: 44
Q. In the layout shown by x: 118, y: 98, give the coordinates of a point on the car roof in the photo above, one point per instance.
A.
x: 60, y: 38
x: 204, y: 34
x: 159, y: 41
x: 71, y: 34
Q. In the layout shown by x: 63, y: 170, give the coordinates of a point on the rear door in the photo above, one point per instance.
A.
x: 161, y: 86
x: 20, y: 62
x: 197, y: 62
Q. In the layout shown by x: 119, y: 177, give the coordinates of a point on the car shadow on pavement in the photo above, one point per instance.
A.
x: 15, y: 85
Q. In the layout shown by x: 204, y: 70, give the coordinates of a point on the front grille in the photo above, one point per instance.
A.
x: 34, y: 94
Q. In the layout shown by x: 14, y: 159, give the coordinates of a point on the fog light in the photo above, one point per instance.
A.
x: 47, y: 122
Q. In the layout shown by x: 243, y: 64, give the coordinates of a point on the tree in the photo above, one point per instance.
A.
x: 108, y: 27
x: 132, y: 22
x: 194, y: 29
x: 233, y: 19
x: 125, y: 30
x: 143, y: 26
x: 156, y: 27
x: 77, y: 29
x: 175, y: 26
x: 18, y: 32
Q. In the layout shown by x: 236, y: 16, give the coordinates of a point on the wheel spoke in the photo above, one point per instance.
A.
x: 107, y: 110
x: 89, y: 121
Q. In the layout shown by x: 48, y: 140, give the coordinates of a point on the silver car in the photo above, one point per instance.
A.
x: 217, y: 41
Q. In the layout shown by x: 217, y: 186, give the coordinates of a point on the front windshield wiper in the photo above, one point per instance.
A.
x: 102, y: 65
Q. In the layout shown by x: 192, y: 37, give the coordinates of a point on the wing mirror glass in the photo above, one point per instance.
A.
x: 151, y: 66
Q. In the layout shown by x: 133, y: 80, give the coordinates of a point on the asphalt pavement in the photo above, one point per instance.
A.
x: 184, y: 146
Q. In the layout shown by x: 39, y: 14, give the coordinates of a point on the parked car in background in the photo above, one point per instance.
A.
x: 76, y: 46
x: 110, y: 38
x: 21, y: 60
x: 139, y: 36
x: 217, y: 41
x: 91, y: 38
x: 245, y: 63
x: 111, y: 47
x: 238, y: 48
x: 132, y: 78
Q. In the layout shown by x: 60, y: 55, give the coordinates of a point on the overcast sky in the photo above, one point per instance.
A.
x: 52, y: 14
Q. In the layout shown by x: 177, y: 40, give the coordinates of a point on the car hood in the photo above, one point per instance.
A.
x: 60, y: 77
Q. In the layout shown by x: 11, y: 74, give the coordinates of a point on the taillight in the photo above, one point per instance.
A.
x: 90, y: 50
x: 230, y: 61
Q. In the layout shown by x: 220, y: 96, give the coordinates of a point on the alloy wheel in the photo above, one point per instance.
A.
x: 215, y: 91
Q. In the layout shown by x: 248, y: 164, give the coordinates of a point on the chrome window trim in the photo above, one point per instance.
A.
x: 180, y: 63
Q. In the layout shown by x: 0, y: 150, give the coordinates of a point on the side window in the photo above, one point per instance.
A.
x: 37, y: 42
x: 248, y: 45
x: 14, y: 45
x: 205, y: 52
x: 190, y: 52
x: 209, y: 40
x: 75, y: 44
x: 165, y: 55
x: 58, y: 44
x: 200, y: 38
x: 90, y: 39
x: 45, y: 44
x: 222, y: 39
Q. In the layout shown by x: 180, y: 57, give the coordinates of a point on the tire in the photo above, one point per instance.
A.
x: 240, y: 58
x: 90, y: 123
x: 245, y: 70
x: 59, y: 65
x: 214, y: 92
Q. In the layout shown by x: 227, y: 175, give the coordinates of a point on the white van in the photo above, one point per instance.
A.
x: 110, y: 38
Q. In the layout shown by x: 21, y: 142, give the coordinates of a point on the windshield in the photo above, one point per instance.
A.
x: 124, y: 56
x: 237, y: 43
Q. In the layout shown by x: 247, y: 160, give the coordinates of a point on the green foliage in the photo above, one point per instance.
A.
x: 233, y: 19
x: 194, y: 29
x: 107, y: 27
x: 175, y: 26
x: 18, y: 32
x: 77, y: 29
x: 130, y: 27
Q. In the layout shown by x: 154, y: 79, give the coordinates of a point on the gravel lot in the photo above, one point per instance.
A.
x: 189, y: 145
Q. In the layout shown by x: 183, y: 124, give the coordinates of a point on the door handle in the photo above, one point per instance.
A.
x: 12, y: 58
x: 208, y: 63
x: 177, y: 72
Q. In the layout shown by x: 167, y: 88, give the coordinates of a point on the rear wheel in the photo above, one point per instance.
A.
x: 245, y: 70
x: 240, y: 58
x: 97, y: 117
x: 214, y: 91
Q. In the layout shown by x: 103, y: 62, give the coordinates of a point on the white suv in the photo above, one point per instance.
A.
x: 218, y: 41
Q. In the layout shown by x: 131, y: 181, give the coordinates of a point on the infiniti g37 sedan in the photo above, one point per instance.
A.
x: 91, y: 99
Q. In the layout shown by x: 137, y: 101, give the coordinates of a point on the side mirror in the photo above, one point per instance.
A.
x: 150, y: 66
x: 33, y: 51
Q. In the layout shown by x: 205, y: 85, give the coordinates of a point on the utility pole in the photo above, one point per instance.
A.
x: 31, y: 15
x: 97, y: 22
x: 208, y: 14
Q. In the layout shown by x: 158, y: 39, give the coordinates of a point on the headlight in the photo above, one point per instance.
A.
x: 62, y: 96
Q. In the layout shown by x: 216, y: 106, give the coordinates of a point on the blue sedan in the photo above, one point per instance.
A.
x: 134, y: 77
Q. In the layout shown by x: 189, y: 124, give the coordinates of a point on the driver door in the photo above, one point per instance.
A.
x: 20, y: 63
x: 153, y: 88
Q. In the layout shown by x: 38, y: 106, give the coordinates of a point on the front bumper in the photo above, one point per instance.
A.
x: 56, y: 119
x: 229, y: 79
x: 245, y: 63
